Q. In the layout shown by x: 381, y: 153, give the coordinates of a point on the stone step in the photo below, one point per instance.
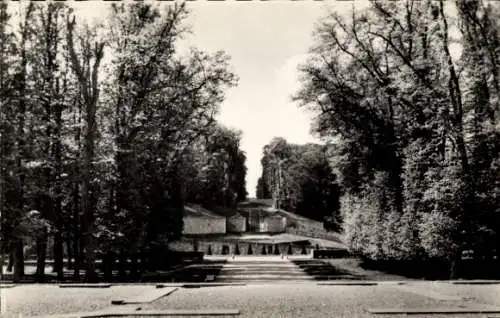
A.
x: 264, y: 276
x: 266, y: 270
x: 265, y: 280
x: 243, y: 274
x: 257, y: 265
x: 259, y: 270
x: 335, y: 277
x: 273, y: 282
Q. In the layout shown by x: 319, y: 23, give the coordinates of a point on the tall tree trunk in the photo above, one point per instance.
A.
x: 58, y: 238
x: 122, y: 263
x: 143, y: 257
x: 88, y: 229
x: 48, y: 94
x: 41, y: 250
x: 18, y: 260
x: 134, y: 270
x: 76, y: 232
x: 58, y: 255
x: 455, y: 94
x: 4, y: 20
x: 21, y: 153
x: 88, y: 83
x: 87, y: 202
x: 77, y: 260
x: 69, y: 249
x: 76, y: 199
x: 10, y: 264
x: 105, y: 266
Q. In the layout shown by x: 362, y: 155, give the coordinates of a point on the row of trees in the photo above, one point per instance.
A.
x: 298, y: 178
x: 410, y: 90
x: 216, y: 169
x: 105, y: 131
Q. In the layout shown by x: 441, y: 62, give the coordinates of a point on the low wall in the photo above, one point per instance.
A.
x: 223, y: 248
x: 216, y: 247
x: 316, y: 234
x: 273, y: 225
x: 236, y: 224
x: 204, y: 225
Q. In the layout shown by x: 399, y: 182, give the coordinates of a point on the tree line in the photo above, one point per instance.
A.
x: 408, y: 92
x: 106, y: 130
x: 299, y: 179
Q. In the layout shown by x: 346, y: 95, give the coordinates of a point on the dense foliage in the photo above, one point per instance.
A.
x: 106, y: 130
x: 409, y: 90
x: 299, y: 179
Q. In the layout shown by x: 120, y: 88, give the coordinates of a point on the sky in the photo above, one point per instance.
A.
x: 266, y: 41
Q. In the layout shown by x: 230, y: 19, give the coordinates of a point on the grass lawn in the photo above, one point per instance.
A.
x: 352, y: 265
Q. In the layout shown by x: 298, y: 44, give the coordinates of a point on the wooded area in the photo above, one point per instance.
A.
x: 408, y: 92
x: 299, y: 179
x: 106, y: 130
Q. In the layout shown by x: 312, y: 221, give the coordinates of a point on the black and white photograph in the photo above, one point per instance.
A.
x: 250, y: 158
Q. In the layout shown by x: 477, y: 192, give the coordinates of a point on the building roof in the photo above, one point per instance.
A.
x: 252, y: 212
x: 261, y: 213
x: 227, y: 212
x: 256, y: 203
x: 195, y: 210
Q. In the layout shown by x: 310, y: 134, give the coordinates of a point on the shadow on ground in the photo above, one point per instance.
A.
x: 322, y: 270
x: 202, y: 272
x: 197, y: 272
x: 435, y: 269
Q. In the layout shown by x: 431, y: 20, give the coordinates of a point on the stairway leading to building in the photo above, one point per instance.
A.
x: 261, y: 269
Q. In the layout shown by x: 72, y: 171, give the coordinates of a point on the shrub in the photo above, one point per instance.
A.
x: 276, y: 249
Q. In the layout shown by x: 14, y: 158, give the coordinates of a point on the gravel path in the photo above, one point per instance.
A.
x: 39, y: 300
x: 304, y: 300
x: 486, y: 294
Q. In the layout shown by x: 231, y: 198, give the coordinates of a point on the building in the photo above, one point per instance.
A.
x: 236, y: 224
x: 263, y: 220
x: 273, y: 224
x: 219, y: 220
x: 198, y: 220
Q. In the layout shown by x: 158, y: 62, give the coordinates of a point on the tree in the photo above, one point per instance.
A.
x: 163, y: 103
x: 99, y: 154
x: 301, y: 179
x: 86, y: 68
x: 48, y: 99
x: 480, y: 83
x: 215, y: 169
x: 385, y: 84
x: 10, y: 193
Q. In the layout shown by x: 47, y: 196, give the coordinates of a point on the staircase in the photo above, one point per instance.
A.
x: 261, y: 269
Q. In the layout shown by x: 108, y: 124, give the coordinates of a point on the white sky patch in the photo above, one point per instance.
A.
x: 266, y: 41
